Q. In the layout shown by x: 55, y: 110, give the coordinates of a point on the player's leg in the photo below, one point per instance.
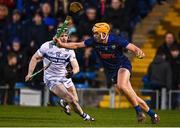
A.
x: 141, y: 102
x: 154, y: 117
x: 62, y: 92
x: 73, y: 91
x: 123, y: 84
x: 64, y: 104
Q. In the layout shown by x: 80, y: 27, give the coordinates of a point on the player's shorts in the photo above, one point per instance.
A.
x: 60, y: 81
x: 111, y: 75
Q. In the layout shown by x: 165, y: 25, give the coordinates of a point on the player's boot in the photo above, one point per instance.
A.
x: 141, y: 117
x: 155, y: 119
x: 65, y: 106
x: 86, y: 117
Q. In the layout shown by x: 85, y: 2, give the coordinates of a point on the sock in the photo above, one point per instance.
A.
x: 151, y: 113
x: 63, y: 103
x: 83, y: 115
x: 138, y: 109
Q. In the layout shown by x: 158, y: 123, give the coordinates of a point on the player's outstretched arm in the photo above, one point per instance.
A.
x: 137, y: 51
x: 34, y: 60
x: 71, y: 45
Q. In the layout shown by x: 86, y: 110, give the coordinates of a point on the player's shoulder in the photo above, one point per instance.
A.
x: 115, y: 38
x: 90, y: 41
x: 47, y: 44
x: 71, y: 51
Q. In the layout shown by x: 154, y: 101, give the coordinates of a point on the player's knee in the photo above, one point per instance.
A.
x: 72, y: 99
x: 121, y: 86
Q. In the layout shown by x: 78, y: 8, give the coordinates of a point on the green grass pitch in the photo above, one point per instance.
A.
x: 14, y: 116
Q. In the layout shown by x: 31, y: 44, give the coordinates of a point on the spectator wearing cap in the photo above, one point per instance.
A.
x: 10, y: 75
x: 16, y: 48
x: 15, y: 28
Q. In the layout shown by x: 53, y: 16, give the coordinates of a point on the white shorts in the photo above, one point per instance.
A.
x: 54, y: 82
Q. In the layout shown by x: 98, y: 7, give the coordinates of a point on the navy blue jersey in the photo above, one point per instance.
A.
x: 111, y: 53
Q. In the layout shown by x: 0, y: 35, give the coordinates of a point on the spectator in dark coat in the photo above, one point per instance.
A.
x: 165, y: 47
x: 116, y: 16
x: 14, y: 29
x: 87, y: 22
x: 10, y: 75
x: 3, y: 23
x: 159, y: 73
x: 1, y: 64
x: 31, y: 6
x: 175, y: 65
x: 21, y: 55
x: 38, y: 32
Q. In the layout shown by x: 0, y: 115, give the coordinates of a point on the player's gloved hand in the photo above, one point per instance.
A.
x: 69, y: 74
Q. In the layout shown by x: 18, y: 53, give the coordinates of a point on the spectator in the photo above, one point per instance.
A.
x: 3, y: 23
x: 51, y: 27
x: 38, y: 32
x: 115, y: 16
x: 15, y: 29
x: 165, y: 47
x: 175, y: 65
x: 10, y: 75
x: 86, y: 24
x: 131, y: 12
x: 31, y: 6
x: 103, y: 5
x: 159, y: 73
x: 16, y: 48
x: 1, y: 64
x: 46, y: 10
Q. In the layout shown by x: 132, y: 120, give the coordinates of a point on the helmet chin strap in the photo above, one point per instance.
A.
x: 103, y: 38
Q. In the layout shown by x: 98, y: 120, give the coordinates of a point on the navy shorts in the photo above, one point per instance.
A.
x: 111, y: 75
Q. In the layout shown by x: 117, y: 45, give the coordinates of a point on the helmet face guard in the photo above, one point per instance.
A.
x: 64, y: 31
x: 101, y: 30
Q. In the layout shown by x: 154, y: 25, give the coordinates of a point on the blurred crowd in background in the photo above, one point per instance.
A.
x: 26, y: 24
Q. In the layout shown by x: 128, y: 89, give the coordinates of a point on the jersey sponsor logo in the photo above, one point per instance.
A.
x: 113, y: 46
x: 107, y: 56
x: 51, y: 53
x: 56, y: 60
x: 60, y: 55
x: 109, y: 47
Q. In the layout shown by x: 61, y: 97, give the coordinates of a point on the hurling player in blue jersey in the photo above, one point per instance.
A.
x: 117, y: 66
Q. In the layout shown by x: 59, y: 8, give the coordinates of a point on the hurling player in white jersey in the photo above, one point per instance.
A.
x: 56, y: 77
